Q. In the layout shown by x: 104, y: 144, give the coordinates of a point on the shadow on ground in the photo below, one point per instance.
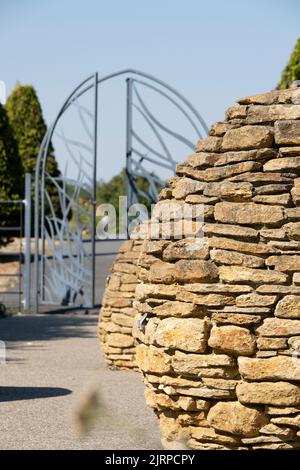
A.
x: 38, y: 327
x: 31, y: 393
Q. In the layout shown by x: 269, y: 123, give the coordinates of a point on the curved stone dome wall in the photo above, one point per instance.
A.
x: 221, y: 338
x: 117, y: 312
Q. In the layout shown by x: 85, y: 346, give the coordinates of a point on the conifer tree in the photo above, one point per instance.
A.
x: 28, y: 126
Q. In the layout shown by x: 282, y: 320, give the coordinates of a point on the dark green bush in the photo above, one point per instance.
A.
x: 11, y: 175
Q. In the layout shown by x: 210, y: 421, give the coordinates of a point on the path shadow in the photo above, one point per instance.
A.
x: 47, y: 327
x: 31, y: 393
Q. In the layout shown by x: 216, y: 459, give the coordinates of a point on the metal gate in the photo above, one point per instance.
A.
x: 17, y: 297
x: 65, y: 239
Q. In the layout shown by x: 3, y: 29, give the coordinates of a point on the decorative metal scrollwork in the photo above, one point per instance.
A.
x: 65, y: 231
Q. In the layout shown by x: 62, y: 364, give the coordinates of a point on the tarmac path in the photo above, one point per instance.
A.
x: 52, y: 361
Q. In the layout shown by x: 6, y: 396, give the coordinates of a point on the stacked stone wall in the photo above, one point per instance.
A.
x: 220, y: 335
x: 117, y: 312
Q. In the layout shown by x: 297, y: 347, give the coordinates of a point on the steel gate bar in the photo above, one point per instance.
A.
x: 27, y: 267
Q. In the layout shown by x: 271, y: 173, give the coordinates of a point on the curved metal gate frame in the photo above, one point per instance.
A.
x: 61, y: 282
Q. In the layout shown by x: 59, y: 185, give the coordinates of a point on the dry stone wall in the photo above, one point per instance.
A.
x: 220, y: 342
x: 117, y: 312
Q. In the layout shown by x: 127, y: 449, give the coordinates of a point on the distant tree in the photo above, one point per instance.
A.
x: 28, y: 125
x: 11, y: 175
x: 292, y: 70
x: 108, y: 192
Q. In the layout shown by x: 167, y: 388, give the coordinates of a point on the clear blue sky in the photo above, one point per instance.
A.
x: 211, y: 51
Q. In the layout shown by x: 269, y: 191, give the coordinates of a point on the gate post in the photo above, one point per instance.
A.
x: 94, y: 190
x: 129, y: 189
x: 27, y: 267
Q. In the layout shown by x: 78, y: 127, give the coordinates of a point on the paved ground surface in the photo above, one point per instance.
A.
x: 52, y: 360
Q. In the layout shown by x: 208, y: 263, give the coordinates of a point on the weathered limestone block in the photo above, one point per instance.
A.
x: 295, y: 193
x: 296, y: 278
x: 155, y: 247
x: 228, y: 190
x: 279, y: 327
x: 235, y: 418
x: 265, y: 178
x: 255, y: 300
x: 120, y: 340
x: 210, y: 144
x: 236, y: 112
x: 283, y: 164
x: 122, y: 319
x: 272, y: 234
x: 186, y: 186
x: 200, y: 392
x: 152, y: 359
x: 278, y: 367
x: 287, y: 132
x: 203, y: 159
x: 200, y: 199
x: 210, y: 435
x: 194, y: 364
x: 236, y: 245
x: 290, y: 151
x: 288, y: 421
x: 271, y: 343
x: 177, y: 309
x: 172, y: 431
x: 274, y: 97
x: 238, y: 319
x: 144, y: 291
x: 248, y: 137
x: 258, y: 276
x: 219, y: 128
x: 260, y: 114
x: 232, y: 340
x: 161, y: 400
x: 218, y: 173
x: 273, y: 199
x: 235, y: 258
x: 288, y: 307
x: 183, y: 271
x: 220, y: 288
x: 284, y: 432
x: 275, y: 410
x: 184, y: 334
x: 271, y: 189
x: 248, y: 213
x: 208, y: 300
x: 188, y: 248
x: 293, y: 213
x: 277, y: 289
x: 294, y: 343
x: 268, y: 393
x: 230, y: 231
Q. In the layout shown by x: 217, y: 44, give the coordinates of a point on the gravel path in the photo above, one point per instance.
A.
x: 52, y: 360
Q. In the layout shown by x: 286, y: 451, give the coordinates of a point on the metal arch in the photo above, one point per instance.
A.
x: 134, y: 168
